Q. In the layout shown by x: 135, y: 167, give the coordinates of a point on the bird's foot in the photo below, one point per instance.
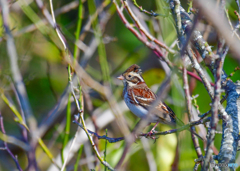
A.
x: 149, y: 134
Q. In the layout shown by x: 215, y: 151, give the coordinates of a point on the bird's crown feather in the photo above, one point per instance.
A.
x: 134, y: 68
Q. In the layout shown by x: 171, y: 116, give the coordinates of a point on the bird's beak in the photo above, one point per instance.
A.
x: 120, y: 77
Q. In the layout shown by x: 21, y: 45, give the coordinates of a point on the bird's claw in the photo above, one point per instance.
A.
x: 149, y: 134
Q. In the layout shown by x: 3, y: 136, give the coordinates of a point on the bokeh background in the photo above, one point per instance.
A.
x: 45, y: 75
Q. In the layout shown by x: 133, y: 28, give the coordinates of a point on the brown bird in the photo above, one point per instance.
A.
x: 139, y: 99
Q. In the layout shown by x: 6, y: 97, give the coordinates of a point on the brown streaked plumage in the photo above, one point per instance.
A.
x: 139, y: 98
x: 134, y: 68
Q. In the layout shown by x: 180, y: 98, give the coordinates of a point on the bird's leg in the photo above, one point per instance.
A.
x: 134, y: 131
x: 149, y: 134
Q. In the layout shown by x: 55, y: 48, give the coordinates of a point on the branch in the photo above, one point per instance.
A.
x: 175, y: 7
x: 88, y: 134
x: 197, y: 77
x: 6, y: 146
x: 114, y: 140
x: 189, y: 108
x: 147, y: 12
x: 220, y: 24
x: 230, y: 125
x: 151, y: 46
x: 143, y: 30
x: 214, y: 118
x: 18, y: 81
x: 63, y: 40
x: 16, y: 74
x: 206, y: 83
x: 57, y: 110
x: 197, y: 39
x: 110, y: 140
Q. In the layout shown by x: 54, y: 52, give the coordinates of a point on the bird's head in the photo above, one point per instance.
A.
x: 132, y: 76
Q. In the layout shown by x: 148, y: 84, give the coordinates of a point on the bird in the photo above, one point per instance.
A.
x: 139, y: 98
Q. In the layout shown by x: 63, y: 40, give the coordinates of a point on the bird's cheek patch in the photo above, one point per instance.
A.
x: 135, y: 80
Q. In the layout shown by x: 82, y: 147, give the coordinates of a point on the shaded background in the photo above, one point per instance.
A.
x: 45, y: 75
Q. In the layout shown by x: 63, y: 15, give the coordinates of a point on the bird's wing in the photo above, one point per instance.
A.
x: 142, y: 96
x: 165, y: 113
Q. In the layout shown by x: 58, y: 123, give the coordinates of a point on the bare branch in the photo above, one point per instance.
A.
x: 189, y: 108
x: 220, y: 24
x: 142, y: 29
x: 6, y: 146
x: 214, y: 119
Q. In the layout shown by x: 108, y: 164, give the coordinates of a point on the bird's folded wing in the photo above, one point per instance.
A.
x: 165, y: 113
x: 144, y: 97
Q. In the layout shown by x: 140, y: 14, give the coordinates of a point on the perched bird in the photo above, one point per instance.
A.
x: 139, y: 99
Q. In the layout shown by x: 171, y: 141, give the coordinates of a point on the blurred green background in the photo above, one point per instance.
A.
x: 45, y: 75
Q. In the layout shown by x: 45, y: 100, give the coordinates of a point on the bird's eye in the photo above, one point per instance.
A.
x: 129, y: 76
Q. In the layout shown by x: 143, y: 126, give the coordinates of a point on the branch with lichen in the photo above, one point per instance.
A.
x: 197, y: 39
x: 151, y: 46
x: 214, y: 118
x: 175, y: 7
x: 229, y: 144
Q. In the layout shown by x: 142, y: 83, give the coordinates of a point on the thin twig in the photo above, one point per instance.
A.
x: 6, y: 146
x: 60, y: 106
x: 189, y: 108
x: 105, y: 152
x: 185, y: 127
x: 214, y: 118
x: 231, y: 26
x: 56, y: 27
x: 147, y: 12
x: 24, y: 130
x: 39, y: 140
x: 220, y: 24
x: 143, y: 30
x: 199, y: 43
x: 151, y: 46
x: 180, y: 129
x: 155, y: 49
x: 18, y: 81
x: 110, y: 140
x: 88, y: 134
x: 208, y: 112
x: 12, y: 140
x: 206, y: 83
x: 16, y: 74
x: 39, y: 2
